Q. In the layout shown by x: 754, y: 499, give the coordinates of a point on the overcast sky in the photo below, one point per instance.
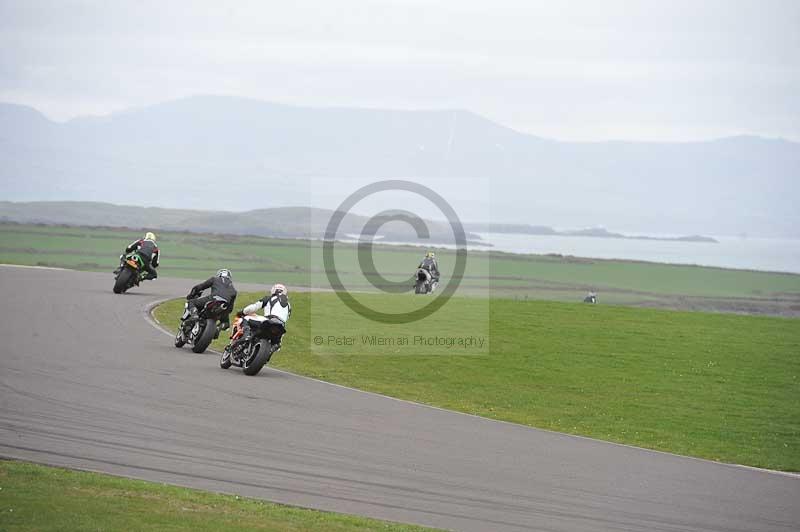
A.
x: 594, y: 70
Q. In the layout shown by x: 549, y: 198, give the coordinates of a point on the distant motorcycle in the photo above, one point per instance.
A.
x: 425, y: 282
x: 253, y: 354
x: 131, y: 273
x: 200, y: 329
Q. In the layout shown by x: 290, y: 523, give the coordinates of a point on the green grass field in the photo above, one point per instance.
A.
x: 713, y: 385
x: 297, y: 262
x: 39, y: 498
x: 717, y: 386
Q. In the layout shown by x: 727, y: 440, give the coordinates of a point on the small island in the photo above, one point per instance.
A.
x: 595, y: 232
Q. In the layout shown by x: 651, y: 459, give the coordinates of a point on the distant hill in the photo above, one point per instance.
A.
x: 223, y: 153
x: 281, y: 222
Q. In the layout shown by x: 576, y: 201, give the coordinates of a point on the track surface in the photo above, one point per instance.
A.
x: 86, y: 382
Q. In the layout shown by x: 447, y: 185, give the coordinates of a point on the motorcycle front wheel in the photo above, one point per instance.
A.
x: 180, y: 340
x: 225, y: 358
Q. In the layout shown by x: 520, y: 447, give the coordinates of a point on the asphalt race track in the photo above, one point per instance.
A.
x: 87, y: 382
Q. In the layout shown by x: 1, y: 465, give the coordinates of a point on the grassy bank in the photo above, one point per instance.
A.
x: 723, y: 387
x: 40, y: 498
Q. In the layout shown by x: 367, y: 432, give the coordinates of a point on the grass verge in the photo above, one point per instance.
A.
x: 41, y: 498
x: 716, y: 386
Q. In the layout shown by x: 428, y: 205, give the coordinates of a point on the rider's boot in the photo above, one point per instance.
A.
x: 247, y: 332
x: 189, y: 312
x: 276, y: 346
x: 119, y: 268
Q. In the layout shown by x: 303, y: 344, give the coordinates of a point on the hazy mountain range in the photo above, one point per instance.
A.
x: 281, y: 222
x: 223, y: 153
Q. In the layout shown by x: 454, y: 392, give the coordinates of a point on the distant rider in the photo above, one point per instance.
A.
x: 221, y: 284
x: 275, y: 305
x: 148, y: 249
x: 429, y: 263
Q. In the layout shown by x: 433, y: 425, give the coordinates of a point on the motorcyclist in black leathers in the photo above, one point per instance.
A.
x: 148, y: 249
x: 221, y: 284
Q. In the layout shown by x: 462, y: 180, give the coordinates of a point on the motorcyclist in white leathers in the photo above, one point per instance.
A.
x: 275, y: 305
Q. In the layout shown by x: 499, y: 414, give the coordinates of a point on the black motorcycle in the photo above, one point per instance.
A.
x: 200, y: 329
x: 425, y: 282
x: 252, y: 353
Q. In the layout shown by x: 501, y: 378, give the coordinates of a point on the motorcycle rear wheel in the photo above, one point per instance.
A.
x: 253, y: 363
x: 204, y: 340
x: 123, y: 281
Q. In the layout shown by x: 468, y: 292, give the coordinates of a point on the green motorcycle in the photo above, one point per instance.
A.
x: 131, y: 273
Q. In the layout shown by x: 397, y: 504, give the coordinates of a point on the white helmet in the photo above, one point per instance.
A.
x: 278, y: 288
x: 224, y: 272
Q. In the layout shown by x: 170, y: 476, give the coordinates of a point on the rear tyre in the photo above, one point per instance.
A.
x: 258, y: 357
x: 123, y: 281
x: 180, y: 341
x: 418, y: 288
x: 205, y: 338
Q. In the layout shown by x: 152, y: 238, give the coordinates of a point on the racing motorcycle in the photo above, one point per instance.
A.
x: 425, y: 282
x: 201, y: 328
x: 253, y: 353
x: 130, y: 274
